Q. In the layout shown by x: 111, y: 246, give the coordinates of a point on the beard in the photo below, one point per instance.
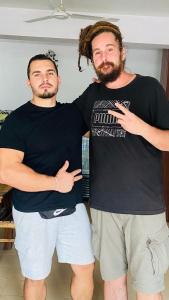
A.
x: 112, y: 75
x: 46, y: 95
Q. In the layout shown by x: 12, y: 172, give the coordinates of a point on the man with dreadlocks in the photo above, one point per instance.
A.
x: 128, y: 118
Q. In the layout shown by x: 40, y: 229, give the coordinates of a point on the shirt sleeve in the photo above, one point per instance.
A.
x: 10, y: 136
x: 85, y: 104
x: 160, y: 108
x: 81, y: 122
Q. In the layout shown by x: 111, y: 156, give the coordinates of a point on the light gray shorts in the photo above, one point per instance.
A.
x: 135, y: 243
x: 37, y: 238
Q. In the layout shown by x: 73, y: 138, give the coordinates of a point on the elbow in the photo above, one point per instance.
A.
x: 163, y: 147
x: 3, y: 177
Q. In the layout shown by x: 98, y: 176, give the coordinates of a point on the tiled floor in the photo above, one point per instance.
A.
x: 11, y: 282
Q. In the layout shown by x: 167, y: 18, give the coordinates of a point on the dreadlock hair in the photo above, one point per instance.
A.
x: 88, y: 33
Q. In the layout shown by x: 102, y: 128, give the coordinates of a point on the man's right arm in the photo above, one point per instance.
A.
x: 16, y: 174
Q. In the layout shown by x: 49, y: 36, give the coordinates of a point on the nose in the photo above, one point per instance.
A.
x: 104, y: 56
x: 45, y: 77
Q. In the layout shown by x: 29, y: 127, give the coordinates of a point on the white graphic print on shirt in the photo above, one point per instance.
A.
x: 104, y: 124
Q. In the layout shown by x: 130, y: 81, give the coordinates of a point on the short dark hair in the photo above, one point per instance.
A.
x: 88, y: 33
x: 40, y: 57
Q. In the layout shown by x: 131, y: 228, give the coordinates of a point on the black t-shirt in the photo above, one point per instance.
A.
x: 125, y: 169
x: 48, y: 137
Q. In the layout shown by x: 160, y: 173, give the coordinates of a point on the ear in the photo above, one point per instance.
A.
x: 59, y: 81
x: 123, y: 54
x: 28, y: 82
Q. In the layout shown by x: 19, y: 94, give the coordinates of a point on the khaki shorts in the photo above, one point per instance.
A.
x: 135, y: 243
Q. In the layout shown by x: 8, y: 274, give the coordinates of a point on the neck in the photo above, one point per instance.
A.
x: 51, y: 102
x: 123, y: 80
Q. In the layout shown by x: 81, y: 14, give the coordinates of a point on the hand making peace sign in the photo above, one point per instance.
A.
x: 129, y: 121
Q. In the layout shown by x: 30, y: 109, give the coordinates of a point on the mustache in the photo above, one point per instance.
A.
x: 46, y: 84
x: 105, y: 64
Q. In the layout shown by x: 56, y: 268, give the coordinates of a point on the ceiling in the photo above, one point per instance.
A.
x: 131, y: 7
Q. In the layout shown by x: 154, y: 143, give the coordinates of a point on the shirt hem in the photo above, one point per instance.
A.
x: 131, y: 212
x: 47, y: 208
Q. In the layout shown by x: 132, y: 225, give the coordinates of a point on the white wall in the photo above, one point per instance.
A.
x: 141, y: 30
x: 14, y: 56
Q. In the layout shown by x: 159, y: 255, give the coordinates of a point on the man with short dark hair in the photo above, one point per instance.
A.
x: 40, y: 156
x: 128, y: 118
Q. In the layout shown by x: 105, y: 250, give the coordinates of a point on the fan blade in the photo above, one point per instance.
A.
x: 66, y: 14
x: 39, y: 19
x: 55, y: 14
x: 90, y: 16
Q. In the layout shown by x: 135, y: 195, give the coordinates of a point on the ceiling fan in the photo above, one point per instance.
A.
x: 59, y: 12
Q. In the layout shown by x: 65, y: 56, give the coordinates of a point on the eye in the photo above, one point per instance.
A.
x: 51, y: 73
x: 97, y: 53
x: 110, y: 49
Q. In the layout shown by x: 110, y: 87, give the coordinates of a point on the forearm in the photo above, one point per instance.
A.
x: 157, y: 137
x: 24, y: 178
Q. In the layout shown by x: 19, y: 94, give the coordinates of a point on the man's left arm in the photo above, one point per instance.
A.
x: 159, y: 138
